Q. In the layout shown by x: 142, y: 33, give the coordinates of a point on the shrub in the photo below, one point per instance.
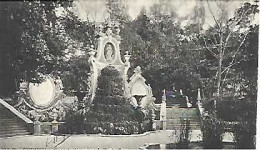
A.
x: 111, y: 112
x: 245, y: 130
x: 212, y: 130
x: 243, y: 137
x: 183, y: 141
x: 74, y: 121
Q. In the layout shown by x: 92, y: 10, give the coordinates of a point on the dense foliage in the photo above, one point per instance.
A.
x: 184, y: 137
x: 30, y: 42
x: 222, y: 60
x: 111, y: 112
x: 155, y: 43
x: 212, y: 130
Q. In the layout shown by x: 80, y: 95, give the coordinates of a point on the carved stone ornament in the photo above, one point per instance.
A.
x: 138, y: 87
x: 107, y: 53
x: 43, y: 99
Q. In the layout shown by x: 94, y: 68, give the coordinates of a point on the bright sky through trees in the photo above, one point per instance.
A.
x: 97, y: 11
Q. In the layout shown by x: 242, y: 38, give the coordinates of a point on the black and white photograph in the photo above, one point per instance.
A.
x: 129, y: 74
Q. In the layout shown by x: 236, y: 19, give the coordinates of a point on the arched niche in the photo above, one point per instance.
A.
x: 107, y: 54
x: 139, y: 89
x: 137, y: 83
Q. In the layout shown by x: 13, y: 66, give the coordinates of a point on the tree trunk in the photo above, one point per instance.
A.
x: 220, y: 59
x: 219, y: 74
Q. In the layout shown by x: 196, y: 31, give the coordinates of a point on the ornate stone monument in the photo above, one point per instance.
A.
x: 42, y: 101
x: 138, y: 87
x: 107, y: 54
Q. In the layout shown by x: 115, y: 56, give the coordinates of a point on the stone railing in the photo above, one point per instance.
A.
x: 202, y: 112
x: 199, y: 104
x: 201, y: 109
x: 16, y: 112
x: 22, y: 117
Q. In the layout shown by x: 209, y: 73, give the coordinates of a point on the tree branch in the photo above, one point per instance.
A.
x: 228, y: 67
x: 214, y: 54
x: 213, y: 15
x: 234, y: 56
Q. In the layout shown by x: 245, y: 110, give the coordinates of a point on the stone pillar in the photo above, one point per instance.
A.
x: 54, y: 127
x: 163, y: 111
x: 153, y: 120
x: 181, y: 92
x: 37, y: 126
x: 198, y: 96
x: 125, y: 77
x: 93, y: 70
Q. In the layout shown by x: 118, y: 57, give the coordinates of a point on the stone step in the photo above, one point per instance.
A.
x: 178, y: 128
x: 10, y: 124
x: 178, y: 125
x: 11, y: 128
x: 191, y: 110
x: 181, y: 111
x: 183, y: 117
x: 181, y: 114
x: 178, y: 122
x: 174, y: 116
x: 6, y: 119
x: 180, y: 117
x: 4, y: 122
x: 13, y: 131
x: 172, y: 112
x: 171, y: 122
x: 14, y: 134
x: 184, y: 109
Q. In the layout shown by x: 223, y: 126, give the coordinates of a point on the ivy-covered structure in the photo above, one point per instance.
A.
x: 111, y: 112
x: 115, y: 100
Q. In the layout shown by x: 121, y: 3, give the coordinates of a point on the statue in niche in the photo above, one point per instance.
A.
x: 109, y: 52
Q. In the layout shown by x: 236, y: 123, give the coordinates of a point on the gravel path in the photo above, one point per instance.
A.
x: 94, y: 141
x: 87, y: 141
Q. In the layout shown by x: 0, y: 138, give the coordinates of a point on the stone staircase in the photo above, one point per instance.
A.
x: 174, y: 98
x: 175, y: 114
x: 10, y: 124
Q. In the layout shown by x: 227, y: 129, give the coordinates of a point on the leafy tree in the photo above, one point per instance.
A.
x: 41, y: 42
x: 117, y: 11
x: 31, y: 42
x: 81, y: 36
x: 226, y: 60
x: 224, y: 43
x: 247, y: 69
x: 155, y: 42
